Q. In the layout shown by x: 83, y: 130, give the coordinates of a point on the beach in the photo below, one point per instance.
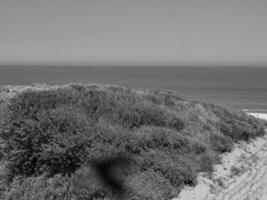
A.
x: 259, y: 115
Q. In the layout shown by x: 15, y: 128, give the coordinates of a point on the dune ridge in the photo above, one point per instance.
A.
x: 50, y: 135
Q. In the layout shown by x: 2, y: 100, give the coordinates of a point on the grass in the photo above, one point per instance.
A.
x: 50, y: 138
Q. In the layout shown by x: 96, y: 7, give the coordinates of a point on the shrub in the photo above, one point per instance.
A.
x: 236, y: 171
x: 150, y: 185
x: 38, y: 188
x: 177, y: 169
x: 150, y: 137
x: 54, y: 142
x: 237, y: 125
x: 206, y: 162
x: 51, y: 139
x: 221, y: 143
x: 28, y: 104
x: 140, y: 115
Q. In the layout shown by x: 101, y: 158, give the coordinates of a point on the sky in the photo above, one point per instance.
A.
x: 134, y: 32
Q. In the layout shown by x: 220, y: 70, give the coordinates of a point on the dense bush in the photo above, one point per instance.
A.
x: 221, y: 143
x: 177, y: 169
x: 150, y: 185
x: 50, y: 139
x: 237, y: 125
x: 52, y: 142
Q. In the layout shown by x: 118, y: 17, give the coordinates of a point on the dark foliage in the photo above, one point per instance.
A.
x: 53, y: 142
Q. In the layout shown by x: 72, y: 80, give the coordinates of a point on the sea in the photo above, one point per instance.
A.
x: 234, y: 87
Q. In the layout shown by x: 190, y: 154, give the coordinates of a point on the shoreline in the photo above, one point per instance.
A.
x: 258, y: 115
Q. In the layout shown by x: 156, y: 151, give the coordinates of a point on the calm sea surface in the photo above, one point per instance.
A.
x: 231, y: 86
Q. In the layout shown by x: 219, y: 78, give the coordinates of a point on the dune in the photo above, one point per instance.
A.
x: 242, y: 175
x: 173, y: 143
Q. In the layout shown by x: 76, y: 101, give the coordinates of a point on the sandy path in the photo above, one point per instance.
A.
x: 251, y: 184
x: 241, y: 176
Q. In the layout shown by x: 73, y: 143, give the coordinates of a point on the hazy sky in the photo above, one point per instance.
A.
x: 220, y: 32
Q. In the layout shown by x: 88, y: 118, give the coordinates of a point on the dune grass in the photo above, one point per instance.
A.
x: 49, y: 139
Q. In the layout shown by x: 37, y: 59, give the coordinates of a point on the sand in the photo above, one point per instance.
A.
x: 259, y: 115
x: 241, y: 176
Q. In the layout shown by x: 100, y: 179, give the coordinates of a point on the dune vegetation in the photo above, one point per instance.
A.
x: 50, y: 138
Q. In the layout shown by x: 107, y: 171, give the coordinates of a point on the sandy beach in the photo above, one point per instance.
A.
x: 258, y: 115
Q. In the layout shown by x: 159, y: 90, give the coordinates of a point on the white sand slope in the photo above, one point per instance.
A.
x: 241, y: 176
x: 259, y: 115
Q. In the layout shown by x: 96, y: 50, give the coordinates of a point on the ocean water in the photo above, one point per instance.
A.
x: 236, y: 87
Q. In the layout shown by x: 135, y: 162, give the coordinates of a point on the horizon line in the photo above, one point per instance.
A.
x: 127, y: 65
